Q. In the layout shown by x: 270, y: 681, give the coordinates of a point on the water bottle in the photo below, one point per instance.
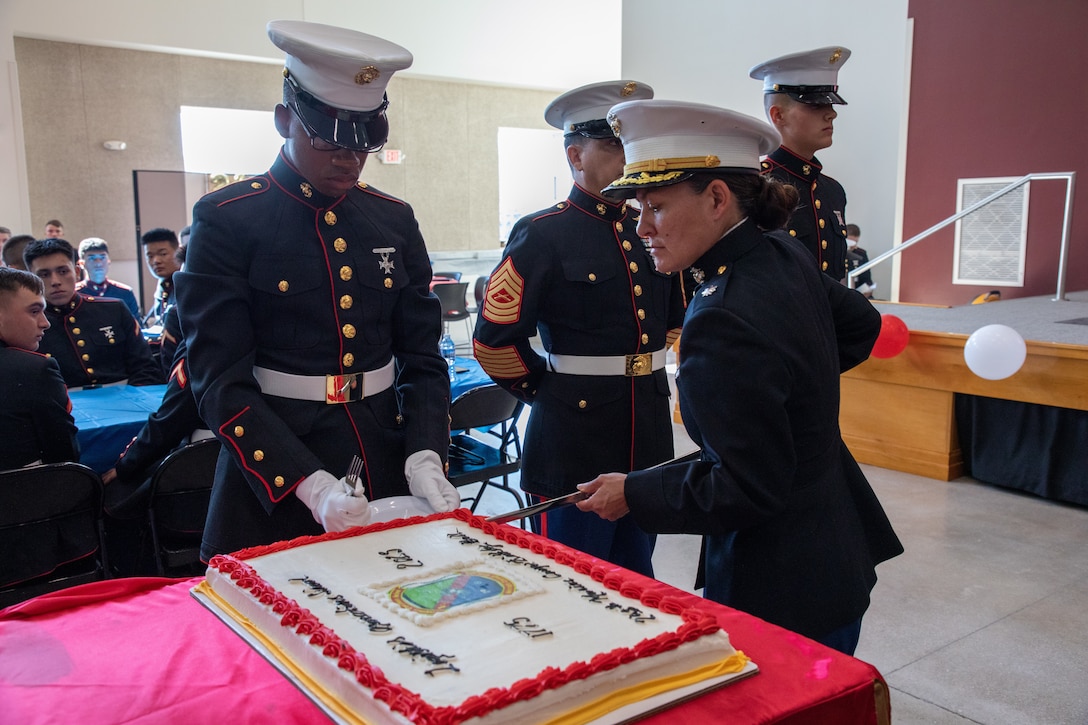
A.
x: 449, y: 351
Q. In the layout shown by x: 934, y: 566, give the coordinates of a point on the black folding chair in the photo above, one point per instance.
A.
x: 454, y: 307
x: 485, y: 446
x: 181, y: 489
x: 51, y: 534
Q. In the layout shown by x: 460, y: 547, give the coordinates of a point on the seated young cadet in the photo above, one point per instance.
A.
x: 94, y: 258
x: 36, y: 424
x: 95, y: 340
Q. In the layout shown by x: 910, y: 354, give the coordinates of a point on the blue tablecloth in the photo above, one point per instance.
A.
x: 108, y: 418
x: 467, y: 375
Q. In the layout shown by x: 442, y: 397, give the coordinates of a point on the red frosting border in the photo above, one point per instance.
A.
x: 697, y: 623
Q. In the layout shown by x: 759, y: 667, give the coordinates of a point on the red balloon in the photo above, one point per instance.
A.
x: 893, y: 337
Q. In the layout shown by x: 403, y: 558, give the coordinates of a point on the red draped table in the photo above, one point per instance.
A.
x: 144, y: 651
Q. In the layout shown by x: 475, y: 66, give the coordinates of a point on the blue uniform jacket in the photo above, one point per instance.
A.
x: 579, y: 274
x: 793, y: 530
x: 819, y: 222
x: 280, y: 276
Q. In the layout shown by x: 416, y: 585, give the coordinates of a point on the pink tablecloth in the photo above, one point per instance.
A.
x: 144, y: 651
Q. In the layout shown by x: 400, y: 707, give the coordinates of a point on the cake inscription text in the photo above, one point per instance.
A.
x: 401, y: 559
x: 524, y: 625
x: 312, y: 588
x: 414, y: 651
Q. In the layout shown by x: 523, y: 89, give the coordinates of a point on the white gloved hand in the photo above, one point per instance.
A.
x: 332, y: 502
x: 426, y: 479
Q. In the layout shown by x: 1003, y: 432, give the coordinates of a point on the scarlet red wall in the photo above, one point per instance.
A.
x: 999, y: 88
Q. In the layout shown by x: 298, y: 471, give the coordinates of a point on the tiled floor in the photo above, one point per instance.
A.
x: 982, y: 620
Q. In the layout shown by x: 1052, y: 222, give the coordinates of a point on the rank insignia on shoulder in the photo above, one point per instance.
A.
x: 710, y: 290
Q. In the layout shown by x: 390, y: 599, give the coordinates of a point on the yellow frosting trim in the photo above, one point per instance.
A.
x: 643, y: 690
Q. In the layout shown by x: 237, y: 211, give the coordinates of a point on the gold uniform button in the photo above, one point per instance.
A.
x: 81, y: 343
x: 592, y: 277
x: 349, y: 331
x: 822, y: 224
x: 90, y: 371
x: 626, y: 246
x: 330, y: 218
x: 645, y: 338
x: 524, y: 386
x: 823, y: 244
x: 112, y: 341
x: 824, y: 266
x: 642, y: 314
x: 793, y: 232
x: 814, y: 186
x: 86, y: 357
x: 71, y: 319
x: 346, y: 302
x: 388, y: 282
x: 399, y: 418
x: 638, y: 290
x: 340, y: 245
x: 722, y: 269
x: 278, y: 480
x: 349, y: 360
x: 239, y: 431
x: 258, y: 455
x: 619, y: 227
x: 634, y: 266
x: 818, y: 204
x: 345, y: 273
x: 283, y: 285
x: 582, y: 404
x: 76, y: 330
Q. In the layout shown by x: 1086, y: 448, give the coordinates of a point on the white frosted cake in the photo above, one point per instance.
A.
x: 447, y: 618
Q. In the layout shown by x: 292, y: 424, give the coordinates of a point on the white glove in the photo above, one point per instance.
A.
x: 426, y: 479
x: 332, y: 502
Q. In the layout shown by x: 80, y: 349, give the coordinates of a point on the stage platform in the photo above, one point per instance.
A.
x: 900, y: 413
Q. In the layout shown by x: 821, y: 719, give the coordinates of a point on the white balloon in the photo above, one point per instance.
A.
x: 995, y: 352
x: 398, y: 507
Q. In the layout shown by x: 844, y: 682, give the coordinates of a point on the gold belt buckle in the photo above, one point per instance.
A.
x: 639, y: 364
x: 343, y: 388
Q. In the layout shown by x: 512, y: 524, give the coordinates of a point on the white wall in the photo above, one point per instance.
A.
x: 555, y: 45
x: 697, y: 50
x: 701, y: 50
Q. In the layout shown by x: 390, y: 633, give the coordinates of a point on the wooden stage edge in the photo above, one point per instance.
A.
x: 899, y: 413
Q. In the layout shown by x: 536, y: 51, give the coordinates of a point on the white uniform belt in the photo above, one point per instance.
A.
x: 325, y: 388
x: 642, y: 363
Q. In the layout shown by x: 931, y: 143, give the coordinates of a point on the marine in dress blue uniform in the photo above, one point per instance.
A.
x: 312, y: 334
x: 819, y: 222
x: 793, y: 532
x: 97, y: 341
x: 578, y: 274
x: 94, y: 257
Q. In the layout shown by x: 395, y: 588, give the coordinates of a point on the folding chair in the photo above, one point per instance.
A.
x: 492, y: 414
x: 51, y: 534
x: 452, y: 297
x: 181, y: 489
x: 456, y: 276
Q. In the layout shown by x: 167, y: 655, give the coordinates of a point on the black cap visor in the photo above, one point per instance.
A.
x: 812, y: 95
x: 353, y: 130
x: 597, y: 128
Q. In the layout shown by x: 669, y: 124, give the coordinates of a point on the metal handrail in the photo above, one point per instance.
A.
x: 1068, y: 176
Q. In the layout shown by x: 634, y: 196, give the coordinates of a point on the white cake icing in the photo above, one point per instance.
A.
x: 463, y: 625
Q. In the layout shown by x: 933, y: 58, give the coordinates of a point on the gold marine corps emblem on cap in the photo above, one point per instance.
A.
x: 367, y: 74
x: 614, y: 123
x: 629, y: 89
x: 835, y: 56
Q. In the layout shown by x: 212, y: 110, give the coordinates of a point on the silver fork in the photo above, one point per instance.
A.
x: 352, y: 479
